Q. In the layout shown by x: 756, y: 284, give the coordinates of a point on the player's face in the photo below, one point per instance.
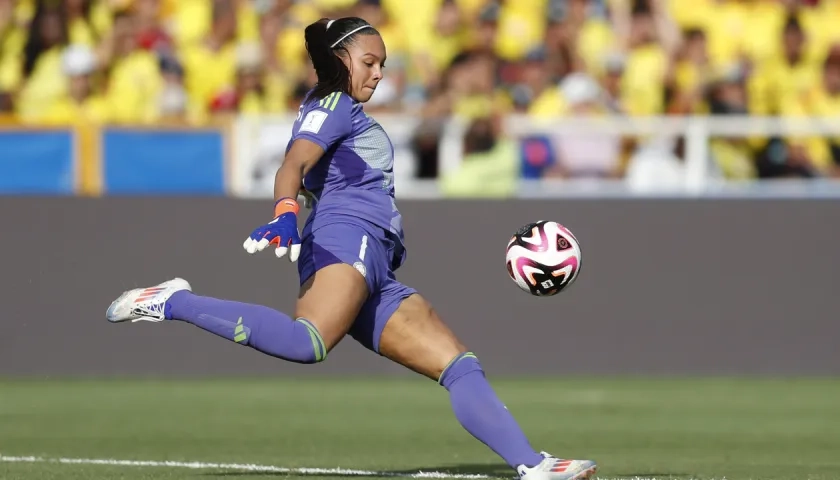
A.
x: 367, y: 59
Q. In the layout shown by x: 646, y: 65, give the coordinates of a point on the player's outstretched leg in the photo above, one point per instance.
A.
x: 416, y: 338
x: 299, y: 340
x: 262, y: 328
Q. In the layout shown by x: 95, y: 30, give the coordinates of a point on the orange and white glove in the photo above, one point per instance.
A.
x: 282, y: 231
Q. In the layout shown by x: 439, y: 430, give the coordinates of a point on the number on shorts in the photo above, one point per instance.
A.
x: 363, y: 248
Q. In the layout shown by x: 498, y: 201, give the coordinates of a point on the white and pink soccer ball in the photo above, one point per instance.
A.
x: 543, y: 258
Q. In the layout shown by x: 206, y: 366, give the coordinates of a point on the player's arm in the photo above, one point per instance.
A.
x: 319, y: 130
x: 282, y: 231
x: 302, y: 156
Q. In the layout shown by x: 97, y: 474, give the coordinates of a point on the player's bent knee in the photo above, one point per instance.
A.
x: 310, y: 348
x: 417, y: 338
x: 463, y: 364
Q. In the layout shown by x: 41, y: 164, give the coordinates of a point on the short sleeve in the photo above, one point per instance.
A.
x: 327, y: 121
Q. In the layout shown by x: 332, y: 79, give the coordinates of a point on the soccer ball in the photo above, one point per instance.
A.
x: 543, y: 258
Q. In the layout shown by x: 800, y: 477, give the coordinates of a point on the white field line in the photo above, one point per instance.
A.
x: 251, y: 467
x: 341, y: 472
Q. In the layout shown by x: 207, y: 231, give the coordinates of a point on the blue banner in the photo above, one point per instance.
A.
x: 37, y: 163
x: 163, y: 162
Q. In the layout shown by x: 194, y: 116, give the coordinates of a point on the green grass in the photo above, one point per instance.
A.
x: 681, y: 429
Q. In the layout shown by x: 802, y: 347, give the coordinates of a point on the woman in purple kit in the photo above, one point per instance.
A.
x: 347, y: 252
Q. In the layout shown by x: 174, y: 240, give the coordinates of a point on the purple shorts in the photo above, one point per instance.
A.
x: 375, y: 254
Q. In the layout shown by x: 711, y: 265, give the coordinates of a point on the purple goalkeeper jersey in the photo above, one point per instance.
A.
x: 355, y: 177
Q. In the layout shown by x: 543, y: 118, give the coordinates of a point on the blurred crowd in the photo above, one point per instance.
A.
x: 195, y: 61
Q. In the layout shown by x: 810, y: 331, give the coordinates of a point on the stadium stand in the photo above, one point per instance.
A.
x: 198, y: 62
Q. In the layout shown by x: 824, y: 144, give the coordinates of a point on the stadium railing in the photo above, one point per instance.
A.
x: 239, y: 159
x: 259, y: 143
x: 93, y: 160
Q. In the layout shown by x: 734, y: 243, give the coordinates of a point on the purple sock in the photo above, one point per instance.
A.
x: 481, y: 413
x: 262, y: 328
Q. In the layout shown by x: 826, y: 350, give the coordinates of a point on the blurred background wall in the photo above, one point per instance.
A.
x: 667, y: 287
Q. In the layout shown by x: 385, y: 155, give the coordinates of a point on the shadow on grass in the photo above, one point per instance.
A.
x: 464, y: 472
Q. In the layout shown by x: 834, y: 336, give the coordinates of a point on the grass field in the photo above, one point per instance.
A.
x: 680, y: 429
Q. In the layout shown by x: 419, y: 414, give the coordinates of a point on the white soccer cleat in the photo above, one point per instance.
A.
x: 552, y: 468
x: 145, y: 303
